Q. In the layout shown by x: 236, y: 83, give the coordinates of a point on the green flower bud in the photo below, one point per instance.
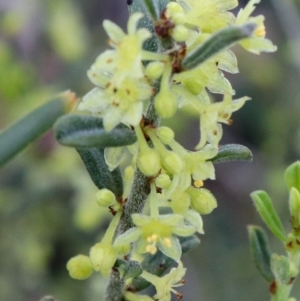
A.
x: 154, y: 70
x: 103, y: 257
x: 165, y: 134
x: 202, y: 200
x: 163, y: 181
x: 148, y: 162
x: 105, y: 198
x: 80, y: 267
x: 171, y: 162
x: 180, y: 33
x: 180, y: 202
x: 165, y: 104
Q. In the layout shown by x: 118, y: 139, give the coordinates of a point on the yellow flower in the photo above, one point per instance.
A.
x: 128, y: 54
x: 118, y: 105
x: 165, y: 285
x: 210, y: 15
x: 257, y: 43
x: 156, y: 231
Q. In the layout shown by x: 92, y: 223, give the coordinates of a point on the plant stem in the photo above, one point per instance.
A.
x: 135, y: 204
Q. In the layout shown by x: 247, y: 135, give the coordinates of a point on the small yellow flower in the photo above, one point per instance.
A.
x: 210, y: 15
x: 128, y: 54
x: 165, y: 285
x: 257, y: 43
x: 156, y: 231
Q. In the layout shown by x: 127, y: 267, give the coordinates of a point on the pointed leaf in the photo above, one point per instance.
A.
x: 19, y: 135
x: 260, y: 250
x: 265, y: 208
x: 292, y: 176
x: 128, y: 269
x: 219, y: 41
x: 82, y: 131
x: 232, y: 152
x: 152, y: 8
x: 94, y: 161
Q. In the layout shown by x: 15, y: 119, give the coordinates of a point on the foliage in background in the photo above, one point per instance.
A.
x: 29, y: 65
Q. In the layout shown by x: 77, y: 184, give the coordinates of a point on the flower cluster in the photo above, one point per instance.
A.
x: 126, y: 77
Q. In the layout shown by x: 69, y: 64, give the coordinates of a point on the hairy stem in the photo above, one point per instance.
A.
x: 135, y: 204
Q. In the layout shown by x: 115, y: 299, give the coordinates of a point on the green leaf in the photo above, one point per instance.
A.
x: 159, y: 263
x: 232, y: 152
x: 128, y: 269
x: 219, y: 41
x: 152, y: 8
x: 280, y: 266
x: 265, y: 208
x: 83, y: 131
x: 94, y: 161
x: 292, y: 176
x: 260, y: 250
x: 19, y: 135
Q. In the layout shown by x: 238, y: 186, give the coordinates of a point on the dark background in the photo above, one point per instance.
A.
x: 47, y: 202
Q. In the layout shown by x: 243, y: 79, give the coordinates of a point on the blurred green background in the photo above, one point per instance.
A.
x: 47, y: 201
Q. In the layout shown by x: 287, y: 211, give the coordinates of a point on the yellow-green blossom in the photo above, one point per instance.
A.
x: 156, y: 231
x: 210, y: 15
x: 165, y: 285
x: 257, y: 43
x: 128, y: 47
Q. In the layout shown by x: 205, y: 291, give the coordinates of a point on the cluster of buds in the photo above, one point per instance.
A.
x: 126, y: 77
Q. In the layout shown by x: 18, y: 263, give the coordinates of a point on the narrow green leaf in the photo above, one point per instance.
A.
x: 94, y: 161
x: 292, y: 176
x: 128, y: 269
x: 152, y: 8
x: 83, y: 131
x: 265, y: 208
x: 159, y: 263
x: 219, y: 41
x: 19, y: 135
x: 280, y: 266
x: 260, y: 250
x: 232, y: 152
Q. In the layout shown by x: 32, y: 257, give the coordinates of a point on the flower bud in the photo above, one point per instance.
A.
x: 165, y: 134
x: 148, y: 162
x: 80, y: 267
x: 105, y: 198
x: 171, y: 162
x: 103, y: 257
x: 180, y: 33
x: 154, y: 70
x: 163, y: 181
x: 180, y: 202
x: 165, y: 104
x: 202, y: 200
